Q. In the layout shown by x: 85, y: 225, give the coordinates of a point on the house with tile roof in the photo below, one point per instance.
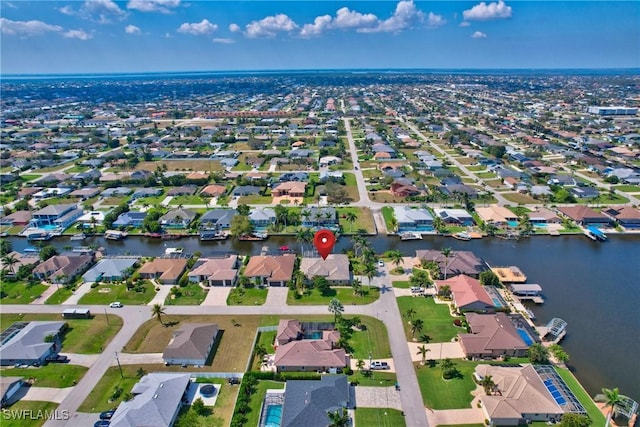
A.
x: 215, y: 271
x: 491, y: 336
x: 584, y: 215
x: 335, y: 268
x: 166, y: 271
x: 271, y: 270
x: 62, y: 268
x: 458, y: 262
x: 467, y: 294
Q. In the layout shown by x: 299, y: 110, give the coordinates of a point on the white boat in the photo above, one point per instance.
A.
x: 463, y: 235
x: 410, y: 236
x: 173, y: 251
x: 79, y: 236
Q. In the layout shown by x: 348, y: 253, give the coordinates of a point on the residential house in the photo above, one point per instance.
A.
x: 308, y: 402
x: 116, y: 192
x: 627, y: 216
x: 61, y: 216
x: 492, y: 336
x: 17, y: 218
x: 217, y: 219
x: 215, y: 271
x: 467, y: 294
x: 319, y: 217
x: 261, y: 218
x: 245, y: 190
x: 146, y: 192
x: 329, y: 160
x: 542, y: 215
x: 52, y: 192
x: 584, y: 192
x: 454, y: 216
x: 584, y: 215
x: 335, y: 268
x: 331, y: 176
x: 91, y: 218
x: 130, y: 219
x: 110, y: 270
x: 185, y: 190
x: 271, y: 270
x: 9, y: 387
x: 412, y: 219
x: 496, y: 215
x: 157, y: 400
x: 403, y: 189
x: 290, y: 189
x: 191, y: 344
x: 22, y: 259
x: 27, y: 343
x: 319, y: 354
x: 85, y: 193
x: 178, y: 218
x: 166, y: 271
x: 62, y: 268
x: 213, y: 190
x: 458, y: 262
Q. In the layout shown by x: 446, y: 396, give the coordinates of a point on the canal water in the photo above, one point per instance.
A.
x: 594, y: 286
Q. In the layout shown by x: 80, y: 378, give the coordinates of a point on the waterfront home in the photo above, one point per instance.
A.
x: 542, y: 215
x: 627, y: 216
x: 85, y: 193
x: 17, y: 218
x: 215, y: 271
x: 110, y: 270
x: 261, y: 218
x: 57, y: 216
x: 130, y: 219
x: 290, y: 189
x: 584, y: 215
x: 492, y: 336
x: 308, y: 402
x: 496, y: 215
x: 166, y: 271
x: 319, y: 217
x: 91, y: 218
x: 458, y: 262
x: 21, y: 259
x: 62, y: 268
x: 27, y: 343
x: 190, y: 344
x: 335, y: 268
x: 213, y: 190
x: 467, y: 294
x: 409, y: 219
x: 217, y: 219
x: 454, y: 216
x: 157, y: 400
x: 178, y: 218
x: 271, y: 270
x: 116, y: 192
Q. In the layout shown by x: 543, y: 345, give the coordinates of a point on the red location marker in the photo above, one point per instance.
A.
x: 324, y: 241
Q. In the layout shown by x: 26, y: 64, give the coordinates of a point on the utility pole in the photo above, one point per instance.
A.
x: 119, y: 367
x: 107, y: 316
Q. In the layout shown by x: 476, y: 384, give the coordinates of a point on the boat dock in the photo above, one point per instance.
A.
x: 595, y: 234
x: 530, y: 292
x: 115, y: 235
x: 511, y: 274
x: 410, y: 236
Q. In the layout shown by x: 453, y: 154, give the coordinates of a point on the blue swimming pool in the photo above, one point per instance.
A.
x: 525, y: 336
x: 512, y: 223
x: 317, y: 335
x: 274, y: 416
x: 49, y: 227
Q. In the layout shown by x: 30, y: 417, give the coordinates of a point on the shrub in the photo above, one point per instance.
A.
x: 95, y: 285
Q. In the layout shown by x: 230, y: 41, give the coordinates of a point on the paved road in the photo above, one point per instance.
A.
x: 362, y: 187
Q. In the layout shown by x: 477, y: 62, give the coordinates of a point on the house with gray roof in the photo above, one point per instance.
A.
x: 130, y: 219
x: 335, y: 268
x: 26, y: 343
x: 110, y: 270
x: 191, y: 344
x: 217, y: 219
x: 158, y: 398
x: 262, y: 217
x: 116, y: 192
x: 308, y: 402
x: 245, y: 190
x: 412, y: 219
x: 178, y: 218
x: 61, y: 215
x: 9, y: 386
x: 454, y: 216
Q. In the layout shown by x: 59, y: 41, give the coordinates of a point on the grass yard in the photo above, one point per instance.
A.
x: 387, y: 214
x: 352, y: 187
x: 594, y: 413
x: 373, y: 339
x: 192, y: 294
x: 627, y: 188
x: 30, y: 177
x: 255, y: 199
x: 385, y: 197
x: 265, y: 339
x: 520, y: 198
x: 203, y: 165
x: 485, y: 175
x: 187, y: 200
x: 60, y: 295
x: 221, y: 413
x: 605, y: 199
x: 247, y: 296
x: 59, y: 375
x: 113, y: 201
x: 376, y: 379
x: 118, y: 293
x: 20, y: 293
x: 25, y: 421
x: 469, y: 425
x: 364, y: 221
x: 380, y: 417
x: 255, y: 403
x: 344, y: 294
x: 438, y: 323
x: 232, y: 349
x: 101, y: 398
x: 402, y: 284
x: 438, y: 393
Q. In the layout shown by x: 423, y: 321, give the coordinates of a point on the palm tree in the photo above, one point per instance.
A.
x: 396, y: 258
x: 336, y: 307
x: 360, y: 364
x: 302, y: 238
x: 416, y: 327
x: 422, y: 351
x: 488, y: 384
x: 611, y: 399
x: 393, y: 222
x: 357, y: 286
x: 351, y: 218
x: 410, y: 313
x: 370, y: 271
x: 446, y: 364
x: 157, y: 311
x: 446, y: 253
x: 339, y: 418
x: 438, y: 224
x: 9, y: 261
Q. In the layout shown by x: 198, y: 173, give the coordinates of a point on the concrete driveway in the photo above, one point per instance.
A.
x: 137, y: 358
x: 161, y: 295
x: 378, y: 397
x: 437, y: 351
x: 277, y: 297
x: 217, y: 296
x: 47, y: 394
x: 455, y: 416
x: 81, y: 359
x: 366, y: 364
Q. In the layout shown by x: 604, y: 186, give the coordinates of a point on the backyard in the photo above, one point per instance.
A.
x: 363, y: 222
x: 438, y: 323
x: 451, y: 394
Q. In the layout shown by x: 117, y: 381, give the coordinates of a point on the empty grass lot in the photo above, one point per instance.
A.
x: 364, y: 221
x: 344, y: 294
x: 438, y: 393
x: 25, y: 421
x: 204, y: 165
x: 118, y: 293
x: 20, y: 293
x: 520, y: 198
x: 59, y: 375
x: 192, y: 294
x: 247, y: 296
x: 381, y: 417
x: 438, y: 323
x: 221, y: 413
x: 187, y: 200
x: 351, y: 187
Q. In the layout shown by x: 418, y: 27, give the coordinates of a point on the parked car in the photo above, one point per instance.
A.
x: 380, y: 263
x: 416, y: 290
x: 57, y: 359
x: 116, y: 304
x: 379, y: 366
x: 106, y: 415
x: 102, y: 423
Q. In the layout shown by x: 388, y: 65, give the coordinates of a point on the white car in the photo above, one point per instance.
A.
x: 116, y: 304
x: 380, y: 263
x: 379, y: 365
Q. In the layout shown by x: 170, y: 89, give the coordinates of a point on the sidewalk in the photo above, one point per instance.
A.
x: 45, y: 295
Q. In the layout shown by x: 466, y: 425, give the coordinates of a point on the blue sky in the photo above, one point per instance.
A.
x: 175, y: 35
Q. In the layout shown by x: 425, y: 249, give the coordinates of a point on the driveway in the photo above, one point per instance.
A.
x: 456, y: 416
x: 51, y: 289
x: 437, y: 351
x: 78, y: 293
x: 81, y: 359
x: 217, y: 295
x: 137, y: 358
x: 161, y: 295
x: 277, y: 297
x: 378, y: 397
x: 366, y: 364
x: 47, y: 394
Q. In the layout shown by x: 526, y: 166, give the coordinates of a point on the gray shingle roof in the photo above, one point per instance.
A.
x: 108, y: 267
x: 191, y: 341
x: 306, y: 403
x: 29, y: 343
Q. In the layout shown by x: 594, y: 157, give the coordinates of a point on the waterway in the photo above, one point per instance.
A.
x: 594, y: 286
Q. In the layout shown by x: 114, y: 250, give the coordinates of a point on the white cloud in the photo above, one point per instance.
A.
x: 223, y: 41
x: 270, y: 26
x: 162, y: 6
x: 102, y: 11
x: 405, y: 16
x: 168, y: 35
x: 320, y: 24
x: 198, y: 28
x: 465, y: 24
x: 234, y: 28
x: 67, y: 10
x: 347, y: 19
x: 27, y: 28
x: 484, y: 12
x: 77, y: 34
x: 9, y: 5
x: 478, y: 35
x: 435, y: 21
x: 132, y: 29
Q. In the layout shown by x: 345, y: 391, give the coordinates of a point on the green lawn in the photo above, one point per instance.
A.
x: 484, y: 175
x: 402, y: 284
x: 255, y: 403
x: 364, y: 221
x: 376, y: 379
x: 30, y: 177
x: 247, y: 296
x: 255, y: 199
x: 20, y: 293
x: 186, y: 200
x: 351, y: 187
x: 380, y: 417
x: 471, y: 425
x: 118, y: 293
x: 605, y: 199
x: 100, y: 398
x: 192, y: 294
x: 26, y: 420
x: 438, y: 393
x: 520, y: 198
x: 438, y: 323
x: 61, y: 295
x: 344, y: 294
x: 265, y: 339
x: 372, y: 339
x: 627, y: 188
x: 387, y: 214
x: 59, y: 375
x: 594, y: 413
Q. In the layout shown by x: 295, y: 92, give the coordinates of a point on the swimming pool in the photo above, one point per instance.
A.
x: 525, y: 336
x: 317, y: 335
x: 49, y: 227
x: 274, y: 416
x: 512, y: 223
